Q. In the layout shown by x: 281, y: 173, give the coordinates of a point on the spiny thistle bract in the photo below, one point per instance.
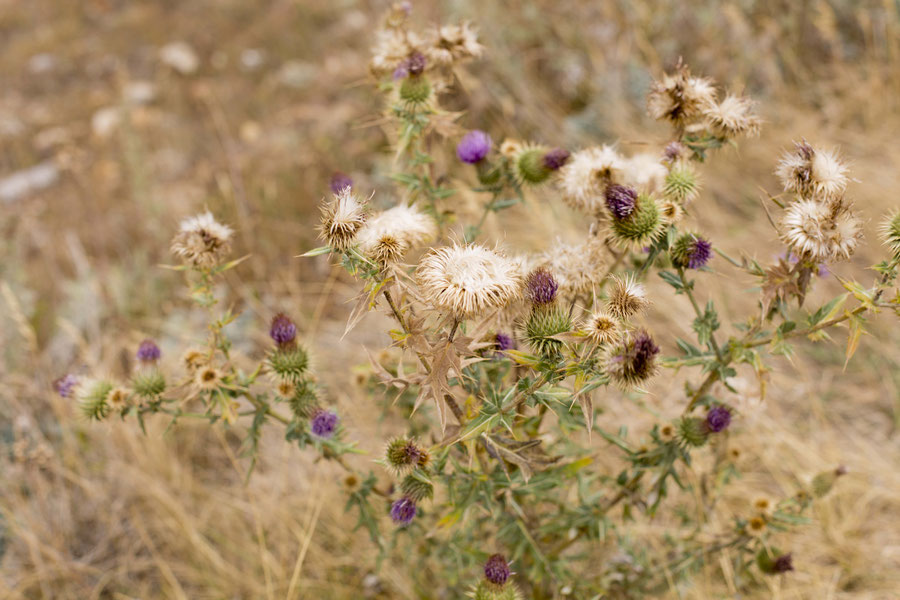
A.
x: 641, y: 227
x: 681, y: 184
x: 543, y: 325
x: 92, y: 398
x: 148, y: 384
x: 890, y: 234
x: 415, y: 90
x: 627, y: 297
x: 404, y: 454
x: 288, y: 362
x: 416, y: 487
x: 690, y: 251
x: 301, y: 397
x: 632, y: 360
x: 693, y: 431
x: 342, y: 218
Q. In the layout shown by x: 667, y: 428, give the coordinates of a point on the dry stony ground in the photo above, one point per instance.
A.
x: 117, y: 118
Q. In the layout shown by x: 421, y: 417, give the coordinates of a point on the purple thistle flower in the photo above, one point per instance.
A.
x: 620, y: 200
x: 672, y: 151
x: 148, y: 352
x: 718, y: 418
x: 699, y: 253
x: 645, y: 350
x: 504, y: 342
x: 283, y: 330
x: 65, y: 385
x: 783, y: 563
x: 556, y: 158
x: 416, y: 63
x: 496, y: 569
x: 541, y: 287
x: 340, y: 181
x: 324, y: 423
x: 473, y: 147
x: 403, y: 511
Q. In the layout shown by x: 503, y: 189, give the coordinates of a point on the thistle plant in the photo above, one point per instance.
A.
x: 490, y: 487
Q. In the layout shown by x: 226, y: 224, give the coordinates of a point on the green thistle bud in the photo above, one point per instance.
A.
x: 485, y: 590
x: 148, y: 384
x: 642, y: 226
x: 681, y: 184
x: 544, y: 323
x: 772, y: 561
x: 488, y: 174
x: 303, y: 402
x: 92, y: 399
x: 416, y: 487
x: 890, y: 234
x: 289, y: 363
x: 404, y: 454
x: 530, y: 165
x: 693, y: 431
x: 415, y: 90
x: 823, y: 482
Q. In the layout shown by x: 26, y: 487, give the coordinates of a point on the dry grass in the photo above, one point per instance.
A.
x: 102, y: 511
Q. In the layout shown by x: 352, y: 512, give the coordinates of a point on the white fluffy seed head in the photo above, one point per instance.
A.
x: 627, y: 297
x: 587, y: 174
x: 201, y: 241
x: 821, y: 232
x: 602, y: 327
x: 452, y: 44
x: 388, y: 236
x: 680, y: 98
x: 644, y: 171
x: 733, y: 116
x: 576, y: 268
x: 342, y: 218
x: 468, y: 280
x: 813, y: 173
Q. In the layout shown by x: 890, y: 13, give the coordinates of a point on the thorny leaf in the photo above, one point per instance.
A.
x: 445, y: 358
x: 365, y: 302
x: 856, y: 331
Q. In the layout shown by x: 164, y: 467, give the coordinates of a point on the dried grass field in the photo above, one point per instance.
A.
x: 118, y: 118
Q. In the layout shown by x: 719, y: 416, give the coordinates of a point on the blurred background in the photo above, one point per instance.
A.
x: 118, y: 118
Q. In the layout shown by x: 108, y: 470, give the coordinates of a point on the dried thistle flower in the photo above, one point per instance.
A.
x: 510, y: 148
x: 821, y: 232
x: 201, y: 241
x: 632, y: 361
x: 342, y: 218
x: 468, y: 280
x: 680, y: 98
x: 756, y: 526
x: 323, y: 424
x: 473, y: 147
x: 733, y: 116
x: 393, y: 47
x: 682, y: 184
x: 193, y: 359
x: 690, y: 251
x: 576, y: 269
x: 452, y: 44
x: 540, y: 287
x: 644, y: 171
x: 403, y: 511
x: 208, y: 378
x: 587, y: 174
x: 763, y: 505
x: 602, y: 327
x: 674, y: 151
x: 666, y: 432
x: 388, y: 236
x: 671, y: 212
x: 627, y: 297
x: 118, y: 399
x: 641, y: 227
x: 812, y: 173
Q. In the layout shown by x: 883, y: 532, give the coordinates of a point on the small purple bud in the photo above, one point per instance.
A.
x: 473, y: 147
x: 783, y: 563
x: 699, y: 253
x: 416, y: 63
x: 673, y: 151
x: 504, y: 342
x: 148, y: 352
x: 324, y: 423
x: 65, y: 384
x: 340, y: 181
x: 496, y: 569
x: 645, y: 350
x: 403, y: 511
x: 556, y: 158
x: 718, y: 418
x: 541, y: 287
x: 620, y: 200
x: 283, y: 330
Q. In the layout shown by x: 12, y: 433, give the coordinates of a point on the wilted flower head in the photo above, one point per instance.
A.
x: 733, y: 116
x: 201, y: 241
x: 690, y: 251
x: 602, y: 327
x: 65, y: 385
x: 644, y: 171
x: 339, y: 181
x: 587, y: 174
x: 283, y: 330
x: 148, y: 352
x: 118, y: 399
x: 632, y: 360
x: 473, y: 147
x: 452, y: 44
x: 576, y: 269
x: 821, y: 232
x: 627, y: 297
x: 671, y: 212
x: 468, y: 280
x: 620, y: 200
x: 718, y: 419
x: 207, y: 378
x: 323, y: 424
x: 403, y: 511
x: 393, y: 47
x: 680, y: 98
x: 496, y: 569
x: 813, y: 173
x: 388, y: 236
x: 342, y: 218
x: 540, y: 287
